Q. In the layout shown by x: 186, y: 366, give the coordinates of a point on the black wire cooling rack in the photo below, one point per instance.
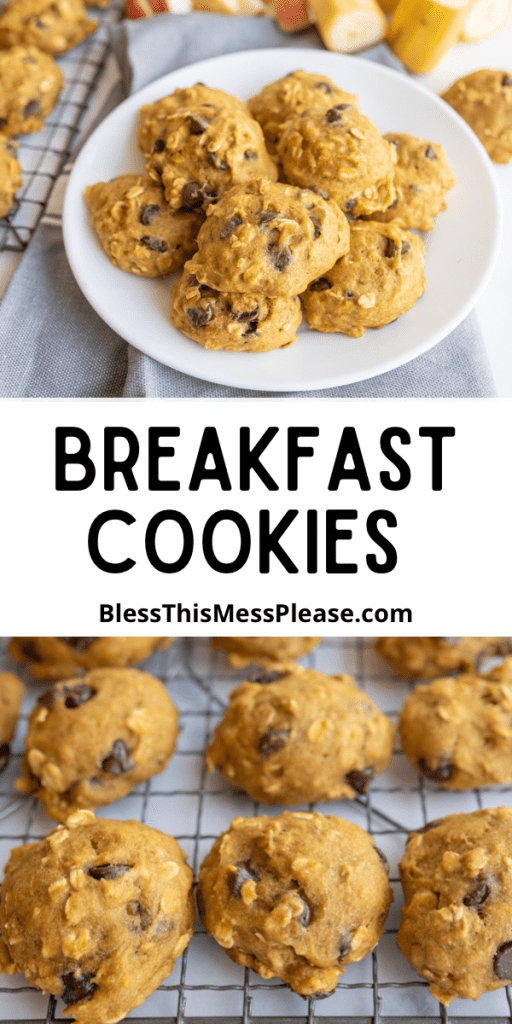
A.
x: 195, y: 808
x: 43, y: 154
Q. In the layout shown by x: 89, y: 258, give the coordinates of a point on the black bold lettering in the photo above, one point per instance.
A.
x: 169, y: 516
x: 157, y: 452
x: 333, y: 534
x: 349, y: 445
x: 210, y: 445
x: 374, y: 533
x: 79, y: 458
x: 93, y: 539
x: 111, y: 465
x: 437, y: 434
x: 250, y: 458
x: 297, y: 451
x: 269, y: 540
x: 226, y: 515
x: 387, y: 449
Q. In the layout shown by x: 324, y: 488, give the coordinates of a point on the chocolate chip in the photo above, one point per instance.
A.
x: 394, y: 142
x: 77, y: 695
x: 272, y: 741
x: 257, y: 676
x: 220, y: 166
x: 155, y: 244
x: 111, y: 872
x: 405, y: 248
x: 250, y: 155
x: 360, y: 778
x: 392, y: 205
x: 343, y: 106
x: 197, y: 124
x: 391, y: 249
x: 333, y: 115
x: 78, y: 643
x: 77, y: 987
x: 158, y: 145
x: 231, y: 225
x: 199, y: 316
x: 320, y: 285
x: 47, y: 699
x: 425, y: 828
x: 32, y: 107
x: 305, y: 917
x: 246, y: 317
x: 316, y: 225
x: 506, y: 80
x: 343, y: 949
x: 349, y: 205
x: 414, y: 188
x: 148, y: 212
x: 251, y: 328
x: 30, y: 651
x: 3, y: 121
x: 324, y: 86
x: 134, y: 909
x: 4, y: 756
x: 194, y: 194
x: 440, y: 773
x: 40, y: 24
x: 265, y: 216
x: 477, y: 896
x: 242, y: 874
x: 502, y: 962
x: 430, y: 153
x: 279, y: 257
x: 382, y: 857
x: 349, y: 295
x: 118, y: 761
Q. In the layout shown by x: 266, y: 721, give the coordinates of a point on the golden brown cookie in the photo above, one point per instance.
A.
x: 422, y: 178
x: 296, y: 897
x: 267, y: 651
x: 268, y: 238
x: 54, y: 26
x: 340, y: 154
x: 91, y: 740
x: 58, y: 657
x: 11, y: 696
x: 456, y: 926
x: 10, y: 175
x: 233, y: 321
x: 96, y: 913
x: 291, y: 95
x: 300, y: 738
x: 137, y: 228
x: 484, y: 100
x: 30, y: 82
x: 381, y: 277
x: 153, y: 116
x: 422, y: 657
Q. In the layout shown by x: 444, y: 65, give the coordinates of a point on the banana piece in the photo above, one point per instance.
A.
x: 348, y: 25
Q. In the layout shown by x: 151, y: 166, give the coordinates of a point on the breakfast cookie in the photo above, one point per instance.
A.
x: 296, y: 897
x: 291, y: 95
x: 30, y: 82
x: 340, y: 154
x: 484, y: 100
x: 91, y: 740
x: 456, y: 926
x: 301, y: 738
x: 457, y: 732
x: 268, y: 238
x: 267, y: 651
x: 422, y: 179
x: 233, y: 321
x: 381, y: 277
x: 205, y: 151
x: 54, y: 26
x: 57, y: 657
x: 422, y: 657
x: 10, y: 175
x: 137, y: 229
x: 153, y: 116
x: 96, y: 913
x: 11, y: 696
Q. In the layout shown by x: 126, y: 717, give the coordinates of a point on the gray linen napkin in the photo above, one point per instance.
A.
x: 53, y: 344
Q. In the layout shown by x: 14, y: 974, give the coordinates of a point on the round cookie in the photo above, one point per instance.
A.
x: 269, y: 238
x: 10, y: 175
x: 96, y: 913
x: 153, y: 116
x: 291, y: 95
x: 381, y: 277
x: 484, y: 100
x: 30, y: 82
x: 267, y: 651
x: 341, y: 154
x: 456, y: 926
x: 422, y: 178
x: 296, y: 897
x: 91, y: 740
x: 54, y: 26
x: 205, y: 151
x: 422, y: 657
x: 137, y: 229
x: 11, y: 696
x: 58, y: 657
x: 301, y: 738
x: 233, y: 321
x: 457, y: 731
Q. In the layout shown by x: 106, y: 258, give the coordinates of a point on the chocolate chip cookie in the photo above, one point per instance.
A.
x: 379, y: 279
x: 456, y: 926
x: 30, y: 82
x: 296, y: 897
x: 137, y: 228
x: 57, y: 657
x: 267, y: 651
x: 268, y: 238
x: 11, y: 696
x: 10, y: 175
x: 153, y: 116
x: 422, y: 657
x: 233, y: 321
x: 291, y: 95
x: 54, y: 26
x: 300, y: 738
x: 91, y: 740
x: 484, y: 100
x: 96, y: 913
x: 422, y: 178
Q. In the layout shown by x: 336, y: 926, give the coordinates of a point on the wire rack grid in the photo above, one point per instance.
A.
x: 43, y: 154
x: 195, y: 808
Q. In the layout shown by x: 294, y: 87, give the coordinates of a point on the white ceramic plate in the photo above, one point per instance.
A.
x: 461, y: 251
